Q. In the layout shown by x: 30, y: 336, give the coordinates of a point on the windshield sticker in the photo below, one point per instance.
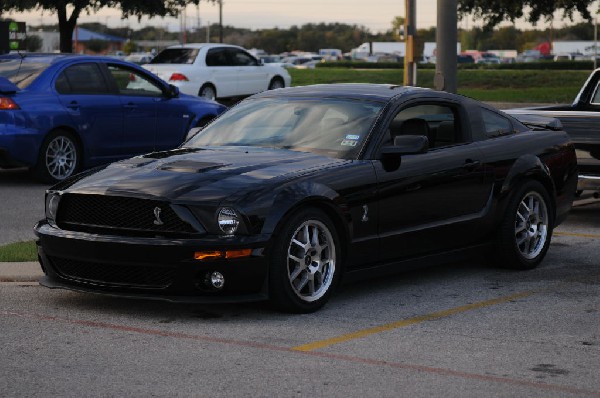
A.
x: 349, y: 143
x: 353, y: 137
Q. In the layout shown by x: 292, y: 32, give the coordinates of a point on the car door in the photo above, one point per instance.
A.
x: 95, y: 110
x: 252, y: 76
x: 222, y: 71
x: 139, y: 96
x: 432, y: 201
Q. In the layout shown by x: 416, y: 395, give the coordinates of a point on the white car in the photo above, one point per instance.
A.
x: 216, y: 71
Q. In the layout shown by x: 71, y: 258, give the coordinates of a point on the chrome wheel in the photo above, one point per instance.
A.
x: 60, y: 157
x: 531, y: 225
x: 311, y: 260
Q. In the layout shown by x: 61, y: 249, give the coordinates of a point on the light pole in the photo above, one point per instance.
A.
x: 446, y: 35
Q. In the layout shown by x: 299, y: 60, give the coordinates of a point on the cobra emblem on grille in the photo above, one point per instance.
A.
x: 157, y: 219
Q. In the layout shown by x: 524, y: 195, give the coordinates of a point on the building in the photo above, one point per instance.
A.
x: 81, y: 37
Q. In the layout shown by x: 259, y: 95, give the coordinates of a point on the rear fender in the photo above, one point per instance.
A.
x: 527, y: 167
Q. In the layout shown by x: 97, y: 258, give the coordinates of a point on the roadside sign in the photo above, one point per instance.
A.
x: 12, y: 36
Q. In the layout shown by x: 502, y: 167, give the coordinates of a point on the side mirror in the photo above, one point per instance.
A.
x: 391, y: 156
x: 173, y: 91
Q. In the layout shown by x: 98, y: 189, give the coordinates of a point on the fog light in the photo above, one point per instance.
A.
x: 217, y: 280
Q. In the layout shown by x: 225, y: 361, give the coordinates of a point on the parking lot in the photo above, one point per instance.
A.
x: 463, y: 329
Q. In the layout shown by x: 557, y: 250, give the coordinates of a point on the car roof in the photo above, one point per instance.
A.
x: 378, y: 92
x: 39, y: 57
x: 51, y: 58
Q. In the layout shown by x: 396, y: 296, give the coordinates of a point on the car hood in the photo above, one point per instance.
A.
x: 208, y: 174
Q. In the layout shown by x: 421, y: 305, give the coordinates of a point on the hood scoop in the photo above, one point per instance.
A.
x: 189, y: 166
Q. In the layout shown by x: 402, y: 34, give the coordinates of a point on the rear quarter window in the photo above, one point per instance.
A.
x: 176, y: 56
x: 495, y: 124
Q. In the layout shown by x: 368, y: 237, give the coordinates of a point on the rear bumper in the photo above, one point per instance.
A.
x: 587, y: 182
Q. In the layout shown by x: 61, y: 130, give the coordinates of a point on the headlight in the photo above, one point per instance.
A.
x: 228, y: 220
x: 52, y: 200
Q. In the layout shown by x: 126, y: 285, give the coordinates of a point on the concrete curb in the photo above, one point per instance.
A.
x: 20, y: 272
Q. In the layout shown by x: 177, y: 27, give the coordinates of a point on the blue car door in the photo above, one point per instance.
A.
x: 95, y: 110
x: 139, y: 97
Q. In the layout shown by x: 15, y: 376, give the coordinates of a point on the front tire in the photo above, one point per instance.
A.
x: 526, y: 230
x: 305, y: 263
x: 276, y: 83
x: 59, y: 157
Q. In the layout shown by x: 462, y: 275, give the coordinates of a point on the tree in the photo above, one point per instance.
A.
x: 66, y: 23
x: 494, y: 12
x: 33, y: 43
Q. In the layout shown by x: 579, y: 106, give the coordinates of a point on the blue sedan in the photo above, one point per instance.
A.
x: 61, y: 113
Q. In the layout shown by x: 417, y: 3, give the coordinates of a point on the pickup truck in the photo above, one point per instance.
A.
x: 581, y: 120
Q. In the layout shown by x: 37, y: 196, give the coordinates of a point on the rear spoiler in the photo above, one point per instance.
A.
x: 7, y: 87
x: 536, y: 122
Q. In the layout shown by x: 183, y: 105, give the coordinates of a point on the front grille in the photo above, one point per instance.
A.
x: 114, y: 275
x: 124, y: 215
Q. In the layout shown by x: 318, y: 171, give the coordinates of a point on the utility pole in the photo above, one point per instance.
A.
x: 446, y: 36
x: 220, y: 21
x: 410, y: 29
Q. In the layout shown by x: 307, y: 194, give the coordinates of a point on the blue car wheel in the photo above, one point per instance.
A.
x: 59, y: 157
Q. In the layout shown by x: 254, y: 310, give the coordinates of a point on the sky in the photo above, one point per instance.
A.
x: 377, y: 15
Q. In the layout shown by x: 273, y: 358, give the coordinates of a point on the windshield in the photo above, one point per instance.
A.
x: 331, y: 127
x: 21, y: 73
x: 176, y: 56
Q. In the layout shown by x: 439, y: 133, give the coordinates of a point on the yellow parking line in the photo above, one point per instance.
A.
x: 577, y: 235
x: 410, y: 321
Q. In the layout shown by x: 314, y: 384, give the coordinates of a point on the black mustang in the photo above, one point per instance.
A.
x: 292, y: 188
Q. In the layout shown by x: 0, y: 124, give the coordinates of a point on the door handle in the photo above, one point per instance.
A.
x: 73, y: 105
x: 471, y: 164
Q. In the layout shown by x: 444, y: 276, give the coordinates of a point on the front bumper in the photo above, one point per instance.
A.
x: 150, y: 268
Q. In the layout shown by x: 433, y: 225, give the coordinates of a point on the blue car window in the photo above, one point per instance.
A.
x: 131, y: 82
x: 81, y: 79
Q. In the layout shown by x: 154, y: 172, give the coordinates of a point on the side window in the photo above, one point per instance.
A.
x: 596, y: 98
x: 81, y: 79
x: 241, y: 58
x: 217, y: 57
x: 132, y: 82
x: 495, y: 124
x: 438, y: 123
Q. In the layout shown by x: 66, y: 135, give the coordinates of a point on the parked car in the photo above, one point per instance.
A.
x: 291, y: 189
x: 465, y: 59
x: 581, y: 120
x: 217, y: 71
x: 139, y: 58
x: 60, y: 113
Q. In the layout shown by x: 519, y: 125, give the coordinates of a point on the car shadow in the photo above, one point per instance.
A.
x: 19, y: 177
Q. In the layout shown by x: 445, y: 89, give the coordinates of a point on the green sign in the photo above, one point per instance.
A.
x: 12, y: 36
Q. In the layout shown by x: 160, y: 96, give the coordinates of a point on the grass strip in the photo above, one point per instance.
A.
x: 19, y: 251
x: 533, y: 86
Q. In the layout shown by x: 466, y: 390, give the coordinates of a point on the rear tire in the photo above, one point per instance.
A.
x: 526, y: 230
x: 305, y: 262
x: 59, y: 157
x: 208, y: 91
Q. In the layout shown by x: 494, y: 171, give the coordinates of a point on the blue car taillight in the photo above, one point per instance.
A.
x: 7, y: 103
